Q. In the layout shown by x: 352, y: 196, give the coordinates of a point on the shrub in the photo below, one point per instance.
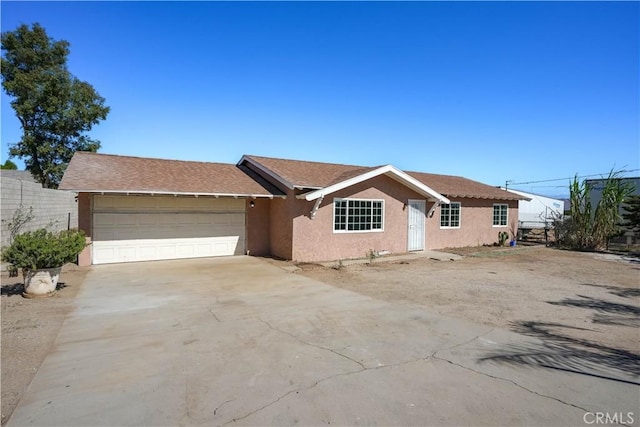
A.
x: 503, y: 236
x: 372, y: 255
x: 590, y: 229
x: 44, y: 249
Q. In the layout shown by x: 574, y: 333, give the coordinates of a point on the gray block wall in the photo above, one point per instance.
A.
x: 53, y: 209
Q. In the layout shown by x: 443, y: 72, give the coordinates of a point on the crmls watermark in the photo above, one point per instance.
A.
x: 603, y: 418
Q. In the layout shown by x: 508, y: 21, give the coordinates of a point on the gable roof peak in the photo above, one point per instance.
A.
x: 308, y: 162
x: 301, y: 173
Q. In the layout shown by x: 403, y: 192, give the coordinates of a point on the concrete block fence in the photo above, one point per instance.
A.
x: 55, y: 209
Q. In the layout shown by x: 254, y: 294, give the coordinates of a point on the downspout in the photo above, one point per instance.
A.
x: 313, y: 212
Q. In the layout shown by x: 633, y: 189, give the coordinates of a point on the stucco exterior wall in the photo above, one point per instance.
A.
x: 283, y: 227
x: 315, y: 240
x: 476, y: 224
x: 281, y: 216
x: 258, y: 227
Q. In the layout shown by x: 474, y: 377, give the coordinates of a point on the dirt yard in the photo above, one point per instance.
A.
x: 29, y: 329
x: 586, y: 298
x: 580, y: 299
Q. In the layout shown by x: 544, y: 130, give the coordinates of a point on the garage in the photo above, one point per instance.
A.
x: 130, y: 228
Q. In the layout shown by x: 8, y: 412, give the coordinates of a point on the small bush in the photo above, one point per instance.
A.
x: 503, y: 236
x: 339, y: 265
x: 44, y: 249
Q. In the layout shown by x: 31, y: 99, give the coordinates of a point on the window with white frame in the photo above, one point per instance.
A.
x: 450, y: 215
x: 352, y: 215
x: 500, y: 215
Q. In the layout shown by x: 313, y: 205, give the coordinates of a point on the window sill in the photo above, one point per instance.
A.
x: 356, y: 231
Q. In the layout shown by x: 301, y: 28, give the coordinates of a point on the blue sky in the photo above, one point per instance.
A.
x: 493, y: 91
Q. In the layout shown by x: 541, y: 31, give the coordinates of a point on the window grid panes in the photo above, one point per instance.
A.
x: 357, y: 215
x: 500, y: 215
x: 450, y: 215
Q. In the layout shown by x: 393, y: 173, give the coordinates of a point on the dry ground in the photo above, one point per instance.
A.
x: 29, y: 329
x: 588, y: 298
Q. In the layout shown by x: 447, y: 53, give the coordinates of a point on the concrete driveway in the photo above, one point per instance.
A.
x: 237, y: 341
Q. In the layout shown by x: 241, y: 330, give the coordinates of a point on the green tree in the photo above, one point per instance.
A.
x: 631, y: 216
x: 9, y: 165
x: 55, y: 109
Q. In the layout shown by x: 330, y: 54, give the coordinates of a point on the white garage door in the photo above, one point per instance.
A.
x: 145, y: 228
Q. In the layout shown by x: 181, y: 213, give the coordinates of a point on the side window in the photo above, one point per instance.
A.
x: 500, y: 213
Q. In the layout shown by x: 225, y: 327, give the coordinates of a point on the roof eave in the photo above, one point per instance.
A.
x: 389, y: 170
x: 175, y: 193
x: 267, y: 171
x: 307, y: 187
x: 475, y: 196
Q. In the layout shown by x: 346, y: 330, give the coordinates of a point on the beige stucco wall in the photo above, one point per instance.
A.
x: 314, y: 240
x: 476, y: 225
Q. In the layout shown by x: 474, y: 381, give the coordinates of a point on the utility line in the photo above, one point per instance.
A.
x: 509, y: 182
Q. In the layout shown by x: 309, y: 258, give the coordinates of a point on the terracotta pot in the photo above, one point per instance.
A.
x: 41, y: 282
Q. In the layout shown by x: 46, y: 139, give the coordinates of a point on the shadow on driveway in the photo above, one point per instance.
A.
x: 558, y: 350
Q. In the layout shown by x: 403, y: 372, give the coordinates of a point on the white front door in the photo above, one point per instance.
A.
x: 416, y: 225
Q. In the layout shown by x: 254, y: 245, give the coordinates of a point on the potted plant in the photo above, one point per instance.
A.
x: 40, y: 255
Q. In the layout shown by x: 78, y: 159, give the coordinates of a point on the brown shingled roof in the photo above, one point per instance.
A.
x: 457, y: 186
x: 104, y: 172
x: 301, y: 173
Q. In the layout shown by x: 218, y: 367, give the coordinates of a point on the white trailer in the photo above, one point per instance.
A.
x: 538, y: 212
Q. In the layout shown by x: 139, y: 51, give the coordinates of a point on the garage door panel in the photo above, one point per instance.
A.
x: 145, y: 220
x: 167, y: 251
x: 127, y: 253
x: 100, y: 220
x: 185, y: 250
x: 188, y: 204
x: 126, y: 220
x: 203, y: 218
x: 238, y: 220
x: 220, y: 219
x: 149, y: 250
x: 153, y: 228
x: 100, y: 203
x: 147, y: 203
x: 103, y: 252
x: 185, y: 219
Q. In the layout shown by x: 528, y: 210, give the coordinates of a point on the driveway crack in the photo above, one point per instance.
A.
x: 297, y: 390
x: 509, y: 381
x: 321, y: 380
x: 215, y: 411
x: 214, y: 315
x: 462, y: 343
x: 314, y: 345
x: 362, y: 367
